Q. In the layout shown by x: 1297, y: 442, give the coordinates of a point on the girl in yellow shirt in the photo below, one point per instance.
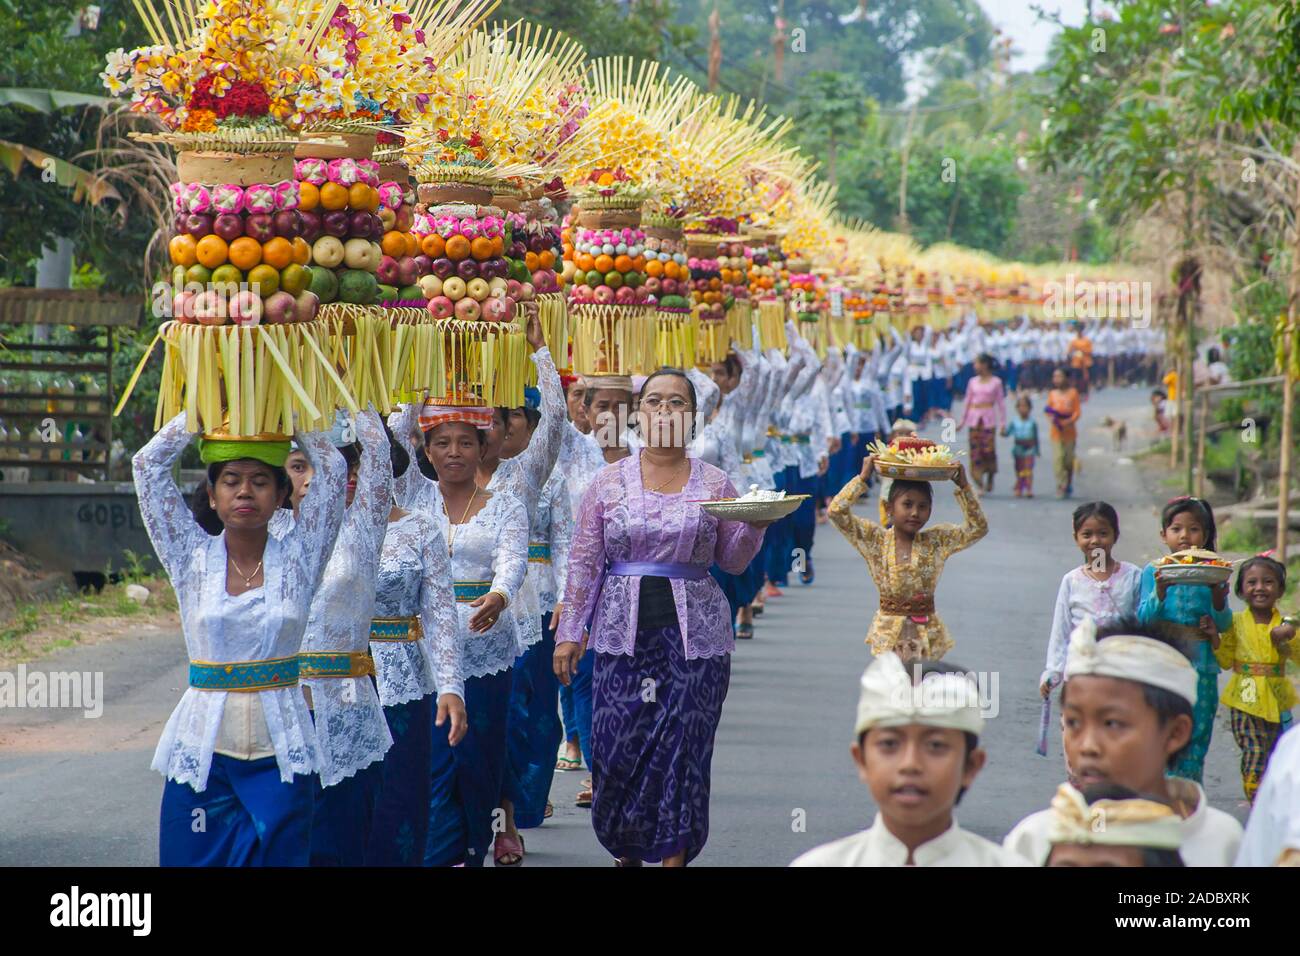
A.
x: 1259, y: 695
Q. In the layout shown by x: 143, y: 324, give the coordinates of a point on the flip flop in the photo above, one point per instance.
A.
x: 568, y: 763
x: 504, y: 846
x: 549, y: 811
x: 584, y: 799
x: 744, y: 632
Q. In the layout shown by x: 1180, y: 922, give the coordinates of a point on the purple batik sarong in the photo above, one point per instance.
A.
x: 654, y: 718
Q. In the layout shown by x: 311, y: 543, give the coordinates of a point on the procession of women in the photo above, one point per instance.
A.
x: 525, y: 383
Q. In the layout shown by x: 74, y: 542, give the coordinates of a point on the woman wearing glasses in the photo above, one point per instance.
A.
x: 639, y: 581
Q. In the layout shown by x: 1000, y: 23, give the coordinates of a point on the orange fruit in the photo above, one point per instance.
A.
x: 547, y: 258
x: 278, y: 252
x: 654, y: 268
x: 182, y: 250
x: 301, y: 251
x: 412, y: 244
x: 458, y: 248
x: 672, y: 270
x: 333, y: 196
x: 531, y: 261
x: 212, y: 250
x: 433, y: 246
x: 393, y: 244
x: 623, y: 263
x: 359, y: 196
x: 481, y: 248
x: 308, y: 196
x: 498, y: 246
x: 245, y: 252
x: 604, y: 263
x: 568, y: 250
x: 585, y: 262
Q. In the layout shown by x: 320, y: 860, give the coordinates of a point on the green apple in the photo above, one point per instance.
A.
x: 614, y: 279
x: 198, y: 273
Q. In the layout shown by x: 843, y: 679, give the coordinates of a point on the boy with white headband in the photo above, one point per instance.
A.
x: 1126, y: 716
x: 917, y: 749
x: 1113, y: 826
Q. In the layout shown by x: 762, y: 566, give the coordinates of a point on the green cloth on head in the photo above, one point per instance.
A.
x: 272, y: 452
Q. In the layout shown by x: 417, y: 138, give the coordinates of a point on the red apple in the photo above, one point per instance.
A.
x: 305, y: 306
x: 278, y: 307
x: 335, y: 223
x: 405, y: 219
x: 440, y: 307
x: 603, y: 294
x: 423, y: 265
x: 246, y: 308
x: 495, y: 308
x: 309, y: 225
x: 198, y: 225
x: 260, y: 226
x: 467, y: 309
x: 228, y: 226
x: 286, y: 223
x: 387, y: 271
x: 407, y: 270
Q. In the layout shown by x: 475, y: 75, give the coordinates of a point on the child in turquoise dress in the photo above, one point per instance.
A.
x: 1194, y: 613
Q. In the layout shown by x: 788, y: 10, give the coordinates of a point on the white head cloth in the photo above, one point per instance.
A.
x: 889, y: 699
x: 1129, y: 657
x: 1134, y: 822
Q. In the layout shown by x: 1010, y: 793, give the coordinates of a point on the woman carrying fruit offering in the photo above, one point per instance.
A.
x: 239, y: 751
x: 906, y: 559
x: 659, y: 630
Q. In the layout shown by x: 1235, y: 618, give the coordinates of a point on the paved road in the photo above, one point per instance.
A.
x: 79, y: 792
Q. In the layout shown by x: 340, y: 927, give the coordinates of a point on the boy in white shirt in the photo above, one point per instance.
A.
x: 918, y: 751
x: 1126, y: 717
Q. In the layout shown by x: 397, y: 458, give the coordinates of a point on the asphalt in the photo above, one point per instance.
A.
x: 79, y: 791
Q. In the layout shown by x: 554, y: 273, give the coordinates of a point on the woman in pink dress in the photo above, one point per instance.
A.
x: 985, y: 412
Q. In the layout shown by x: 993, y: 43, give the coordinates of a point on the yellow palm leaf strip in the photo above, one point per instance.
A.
x: 229, y: 371
x: 139, y: 367
x: 247, y: 383
x: 325, y: 364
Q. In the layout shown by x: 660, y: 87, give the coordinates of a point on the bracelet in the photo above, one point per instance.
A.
x: 504, y: 597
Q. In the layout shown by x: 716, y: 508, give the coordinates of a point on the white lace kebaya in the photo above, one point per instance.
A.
x: 549, y: 540
x: 521, y: 477
x: 415, y: 580
x: 350, y: 725
x: 266, y: 623
x: 492, y: 550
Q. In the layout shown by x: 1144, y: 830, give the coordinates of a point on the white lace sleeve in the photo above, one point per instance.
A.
x: 561, y: 537
x: 168, y: 519
x: 320, y: 513
x: 706, y: 392
x: 374, y: 497
x: 510, y: 558
x: 538, y: 459
x: 438, y: 617
x: 412, y: 483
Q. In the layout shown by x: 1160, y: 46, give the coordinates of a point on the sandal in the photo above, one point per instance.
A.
x: 585, y: 797
x: 504, y: 846
x: 568, y: 763
x: 744, y: 632
x: 549, y: 811
x: 626, y: 861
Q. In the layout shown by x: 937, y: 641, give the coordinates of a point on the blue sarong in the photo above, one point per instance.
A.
x: 575, y: 702
x: 340, y: 830
x: 246, y: 816
x: 400, y: 822
x: 467, y: 779
x: 533, y: 731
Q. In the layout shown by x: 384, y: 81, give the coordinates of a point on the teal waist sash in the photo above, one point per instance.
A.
x: 244, y: 675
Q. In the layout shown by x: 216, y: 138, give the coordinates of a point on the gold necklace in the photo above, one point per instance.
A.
x: 248, y: 578
x: 451, y: 529
x: 671, y: 478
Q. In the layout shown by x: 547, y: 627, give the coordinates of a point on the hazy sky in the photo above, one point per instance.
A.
x: 1031, y: 35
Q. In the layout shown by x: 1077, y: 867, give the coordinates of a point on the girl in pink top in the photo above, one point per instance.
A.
x: 985, y: 412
